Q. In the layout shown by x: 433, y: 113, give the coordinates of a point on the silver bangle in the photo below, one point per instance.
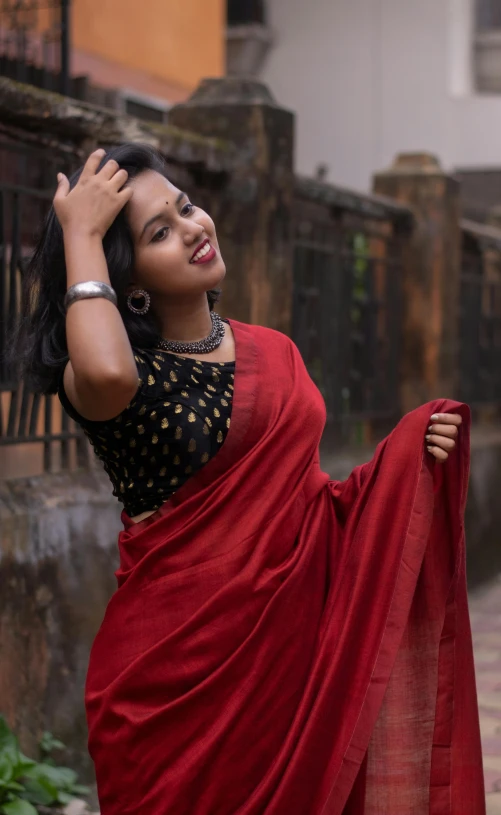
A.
x: 91, y: 288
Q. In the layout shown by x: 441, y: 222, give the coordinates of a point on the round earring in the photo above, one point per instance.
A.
x: 139, y: 294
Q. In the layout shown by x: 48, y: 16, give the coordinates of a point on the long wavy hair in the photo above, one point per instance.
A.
x: 39, y: 351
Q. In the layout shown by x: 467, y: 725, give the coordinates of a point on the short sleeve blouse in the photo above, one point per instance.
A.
x: 177, y: 421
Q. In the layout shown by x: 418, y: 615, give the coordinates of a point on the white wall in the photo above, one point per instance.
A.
x: 371, y: 78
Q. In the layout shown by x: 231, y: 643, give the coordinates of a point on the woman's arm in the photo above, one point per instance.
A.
x: 101, y: 377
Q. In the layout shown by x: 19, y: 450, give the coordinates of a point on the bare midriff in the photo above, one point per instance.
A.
x: 138, y: 518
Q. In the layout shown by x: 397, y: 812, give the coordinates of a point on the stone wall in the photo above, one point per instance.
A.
x: 57, y: 560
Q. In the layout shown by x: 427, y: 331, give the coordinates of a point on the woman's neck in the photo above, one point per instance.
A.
x: 185, y: 322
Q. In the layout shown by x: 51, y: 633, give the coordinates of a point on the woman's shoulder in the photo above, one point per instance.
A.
x: 274, y: 343
x: 264, y: 333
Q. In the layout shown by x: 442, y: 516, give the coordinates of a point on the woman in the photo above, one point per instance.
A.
x: 279, y: 643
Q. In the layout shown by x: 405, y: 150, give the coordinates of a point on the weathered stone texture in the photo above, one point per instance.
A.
x: 90, y: 126
x: 57, y: 559
x: 431, y: 277
x: 253, y: 207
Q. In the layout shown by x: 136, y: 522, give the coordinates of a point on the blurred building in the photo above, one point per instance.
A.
x: 372, y: 78
x: 137, y: 58
x: 150, y: 54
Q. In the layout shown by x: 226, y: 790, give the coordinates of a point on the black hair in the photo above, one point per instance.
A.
x: 40, y: 352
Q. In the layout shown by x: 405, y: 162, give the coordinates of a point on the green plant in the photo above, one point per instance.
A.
x: 25, y: 784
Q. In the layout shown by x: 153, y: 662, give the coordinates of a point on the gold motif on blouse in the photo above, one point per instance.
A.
x: 204, y: 438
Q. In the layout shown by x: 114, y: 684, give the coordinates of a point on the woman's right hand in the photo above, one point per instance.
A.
x: 95, y: 201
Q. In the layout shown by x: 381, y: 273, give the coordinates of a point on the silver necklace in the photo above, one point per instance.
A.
x: 204, y: 346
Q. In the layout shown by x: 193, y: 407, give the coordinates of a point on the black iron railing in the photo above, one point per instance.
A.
x: 35, y: 43
x: 480, y: 317
x: 346, y: 314
x: 27, y: 176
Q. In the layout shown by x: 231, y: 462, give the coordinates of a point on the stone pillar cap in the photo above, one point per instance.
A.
x: 415, y: 163
x: 494, y: 217
x: 230, y: 90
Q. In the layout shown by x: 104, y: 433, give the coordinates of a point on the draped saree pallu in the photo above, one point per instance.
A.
x: 283, y: 644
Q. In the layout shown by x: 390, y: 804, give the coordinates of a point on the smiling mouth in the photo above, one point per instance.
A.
x: 203, y: 253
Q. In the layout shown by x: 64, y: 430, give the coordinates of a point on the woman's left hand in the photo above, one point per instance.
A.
x: 442, y: 435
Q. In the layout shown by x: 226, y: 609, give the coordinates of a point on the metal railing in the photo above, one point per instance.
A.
x: 27, y: 176
x: 346, y: 312
x: 480, y: 315
x: 35, y: 43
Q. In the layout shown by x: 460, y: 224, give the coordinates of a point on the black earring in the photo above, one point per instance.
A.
x: 139, y: 294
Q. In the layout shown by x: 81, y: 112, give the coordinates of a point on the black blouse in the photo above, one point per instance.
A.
x: 177, y: 421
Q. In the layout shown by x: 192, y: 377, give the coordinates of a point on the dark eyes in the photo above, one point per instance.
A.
x: 163, y: 232
x: 160, y: 235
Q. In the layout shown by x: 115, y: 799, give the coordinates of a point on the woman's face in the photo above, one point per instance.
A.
x: 176, y: 250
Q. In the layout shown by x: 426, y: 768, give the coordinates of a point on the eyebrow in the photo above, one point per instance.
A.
x: 160, y: 215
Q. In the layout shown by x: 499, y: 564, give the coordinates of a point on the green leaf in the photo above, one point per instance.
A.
x: 64, y: 798
x: 39, y: 791
x: 6, y: 768
x: 13, y: 786
x: 80, y: 789
x: 23, y: 765
x: 60, y: 777
x: 18, y: 807
x: 48, y: 743
x: 9, y: 747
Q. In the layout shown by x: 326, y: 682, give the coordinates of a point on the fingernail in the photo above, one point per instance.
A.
x: 430, y: 429
x: 59, y: 176
x: 427, y: 438
x: 429, y: 448
x: 434, y: 418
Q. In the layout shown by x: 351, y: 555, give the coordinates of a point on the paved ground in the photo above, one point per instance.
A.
x: 485, y: 610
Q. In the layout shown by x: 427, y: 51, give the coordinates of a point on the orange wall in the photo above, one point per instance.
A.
x: 180, y: 41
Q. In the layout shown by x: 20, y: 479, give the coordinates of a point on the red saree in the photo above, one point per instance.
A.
x: 282, y: 644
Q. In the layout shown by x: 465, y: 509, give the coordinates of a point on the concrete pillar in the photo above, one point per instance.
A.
x: 431, y: 277
x: 252, y: 207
